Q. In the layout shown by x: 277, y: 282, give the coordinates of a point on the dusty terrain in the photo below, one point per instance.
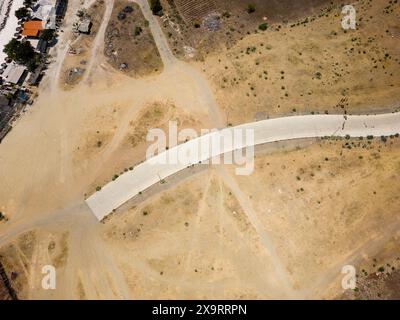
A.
x: 129, y: 45
x: 311, y: 67
x: 213, y: 231
x: 284, y: 232
x: 209, y: 25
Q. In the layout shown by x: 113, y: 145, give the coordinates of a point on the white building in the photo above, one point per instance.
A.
x: 45, y: 10
x: 14, y: 73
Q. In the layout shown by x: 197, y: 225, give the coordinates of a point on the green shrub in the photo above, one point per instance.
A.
x: 138, y: 31
x: 22, y: 13
x: 263, y: 26
x: 251, y: 8
x: 156, y: 7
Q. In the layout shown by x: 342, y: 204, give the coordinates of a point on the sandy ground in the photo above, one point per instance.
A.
x: 212, y: 236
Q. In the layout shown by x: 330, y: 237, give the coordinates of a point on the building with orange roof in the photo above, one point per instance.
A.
x: 32, y: 28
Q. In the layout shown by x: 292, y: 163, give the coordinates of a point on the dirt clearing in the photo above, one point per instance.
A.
x: 129, y: 44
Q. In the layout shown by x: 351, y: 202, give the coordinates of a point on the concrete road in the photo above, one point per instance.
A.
x: 154, y: 170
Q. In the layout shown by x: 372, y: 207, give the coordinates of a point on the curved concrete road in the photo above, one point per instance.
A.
x: 151, y: 172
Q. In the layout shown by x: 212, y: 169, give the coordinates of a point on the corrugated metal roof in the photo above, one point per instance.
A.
x: 13, y: 73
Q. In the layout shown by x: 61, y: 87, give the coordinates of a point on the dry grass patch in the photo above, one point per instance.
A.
x: 129, y: 44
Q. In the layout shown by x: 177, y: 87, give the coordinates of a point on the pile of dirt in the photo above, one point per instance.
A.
x: 311, y: 66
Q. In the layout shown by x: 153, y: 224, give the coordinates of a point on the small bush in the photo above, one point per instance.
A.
x: 251, y: 8
x: 263, y: 26
x: 138, y: 31
x: 156, y: 7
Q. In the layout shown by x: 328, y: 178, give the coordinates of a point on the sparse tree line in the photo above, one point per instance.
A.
x: 21, y: 51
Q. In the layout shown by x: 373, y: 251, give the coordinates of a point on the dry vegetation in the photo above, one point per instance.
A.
x: 331, y: 204
x: 129, y: 45
x: 331, y: 199
x: 311, y: 67
x: 23, y: 258
x: 302, y: 63
x: 158, y: 115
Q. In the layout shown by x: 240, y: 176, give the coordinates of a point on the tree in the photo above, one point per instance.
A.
x: 47, y: 35
x: 22, y: 13
x: 251, y: 8
x: 81, y: 13
x: 138, y: 31
x: 263, y: 26
x: 156, y: 7
x: 22, y: 53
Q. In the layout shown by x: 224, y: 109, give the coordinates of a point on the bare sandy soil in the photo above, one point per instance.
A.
x: 23, y: 256
x: 214, y: 236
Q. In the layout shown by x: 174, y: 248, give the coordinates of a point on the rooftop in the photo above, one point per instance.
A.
x: 13, y: 73
x: 32, y: 28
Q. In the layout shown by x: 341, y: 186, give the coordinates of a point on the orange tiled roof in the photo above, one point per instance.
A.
x: 32, y: 28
